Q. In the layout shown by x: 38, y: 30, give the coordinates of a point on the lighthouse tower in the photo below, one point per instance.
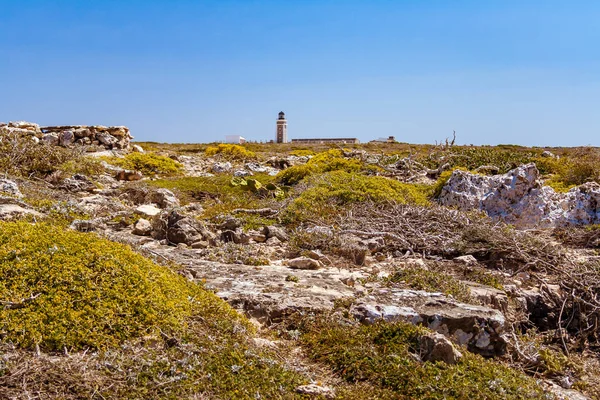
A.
x: 281, y: 136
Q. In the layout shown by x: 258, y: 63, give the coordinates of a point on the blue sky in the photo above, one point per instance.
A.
x: 496, y: 71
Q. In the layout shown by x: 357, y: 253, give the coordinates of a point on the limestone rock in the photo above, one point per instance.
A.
x: 142, y: 227
x: 147, y: 210
x: 275, y: 231
x: 137, y: 148
x: 128, y: 175
x: 468, y: 259
x: 77, y: 183
x: 164, y: 198
x: 50, y: 139
x: 10, y: 187
x: 11, y: 211
x: 436, y: 347
x: 478, y: 327
x: 316, y: 391
x: 66, y: 138
x: 304, y: 263
x: 219, y: 168
x: 519, y: 198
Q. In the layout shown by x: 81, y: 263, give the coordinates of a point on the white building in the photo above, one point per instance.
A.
x: 235, y: 139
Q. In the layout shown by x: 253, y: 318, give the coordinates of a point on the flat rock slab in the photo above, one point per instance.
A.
x: 478, y: 327
x: 10, y: 211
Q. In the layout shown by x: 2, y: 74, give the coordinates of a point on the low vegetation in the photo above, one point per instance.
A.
x: 383, y: 360
x: 147, y: 163
x: 230, y: 152
x: 329, y: 191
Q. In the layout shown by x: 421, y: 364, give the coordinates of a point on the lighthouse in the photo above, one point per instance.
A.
x: 281, y: 136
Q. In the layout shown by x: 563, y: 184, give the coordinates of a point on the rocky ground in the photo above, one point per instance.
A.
x: 513, y: 294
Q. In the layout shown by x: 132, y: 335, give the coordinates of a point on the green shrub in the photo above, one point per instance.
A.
x: 230, y: 151
x: 302, y: 152
x: 147, y: 163
x: 86, y: 291
x: 331, y: 160
x: 579, y: 167
x: 472, y: 157
x: 383, y: 356
x: 338, y: 188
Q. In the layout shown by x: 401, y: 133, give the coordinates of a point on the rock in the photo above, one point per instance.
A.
x: 164, y: 198
x: 178, y: 228
x: 480, y: 327
x: 231, y: 224
x: 201, y: 244
x: 77, y: 183
x: 98, y: 204
x: 255, y: 167
x: 489, y: 296
x: 142, y: 227
x: 10, y: 187
x: 273, y: 242
x: 28, y: 126
x: 11, y: 211
x: 468, y: 260
x: 257, y: 236
x: 66, y: 138
x: 304, y: 263
x: 519, y: 198
x: 371, y: 313
x: 183, y: 231
x: 219, y: 168
x: 147, y: 210
x: 548, y: 154
x: 50, y: 139
x: 436, y: 347
x: 128, y: 175
x: 275, y: 231
x: 137, y: 148
x: 316, y: 391
x: 107, y: 139
x: 242, y: 173
x: 83, y: 225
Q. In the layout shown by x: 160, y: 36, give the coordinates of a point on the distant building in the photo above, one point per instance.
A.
x: 281, y: 135
x: 390, y: 139
x: 327, y: 140
x: 234, y: 139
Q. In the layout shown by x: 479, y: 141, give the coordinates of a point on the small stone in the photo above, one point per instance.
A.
x: 468, y: 259
x: 147, y: 210
x: 10, y: 187
x: 201, y: 244
x: 436, y: 347
x: 137, y: 148
x: 275, y: 231
x: 316, y: 391
x: 82, y: 225
x: 304, y: 263
x: 218, y: 168
x: 142, y: 227
x: 128, y: 175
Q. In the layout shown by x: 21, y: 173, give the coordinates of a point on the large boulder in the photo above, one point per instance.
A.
x: 519, y: 198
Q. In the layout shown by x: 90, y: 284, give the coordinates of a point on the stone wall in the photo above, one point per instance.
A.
x: 95, y: 137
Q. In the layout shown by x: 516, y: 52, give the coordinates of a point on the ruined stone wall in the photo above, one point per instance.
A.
x: 95, y: 137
